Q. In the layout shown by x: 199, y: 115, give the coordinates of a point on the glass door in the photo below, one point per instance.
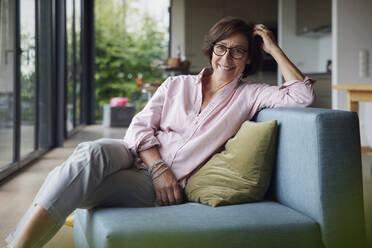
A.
x: 74, y: 63
x: 70, y: 50
x: 77, y: 60
x: 27, y: 76
x: 17, y: 82
x: 7, y: 82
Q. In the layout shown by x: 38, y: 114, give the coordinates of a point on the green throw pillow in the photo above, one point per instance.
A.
x: 242, y: 172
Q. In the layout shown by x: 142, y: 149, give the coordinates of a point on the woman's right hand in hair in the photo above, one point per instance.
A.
x: 268, y: 39
x: 168, y: 191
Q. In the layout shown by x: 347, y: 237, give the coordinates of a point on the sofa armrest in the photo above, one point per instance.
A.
x: 318, y: 170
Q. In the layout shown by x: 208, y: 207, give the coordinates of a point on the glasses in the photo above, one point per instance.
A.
x: 235, y: 52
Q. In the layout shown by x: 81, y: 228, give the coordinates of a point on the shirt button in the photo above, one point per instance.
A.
x: 169, y: 156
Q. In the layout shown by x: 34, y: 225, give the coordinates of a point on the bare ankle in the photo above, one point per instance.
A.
x: 40, y: 223
x: 13, y: 245
x: 17, y: 243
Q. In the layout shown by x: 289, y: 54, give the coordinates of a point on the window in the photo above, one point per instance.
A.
x: 41, y: 89
x: 18, y: 86
x: 7, y: 51
x: 27, y: 77
x: 73, y: 32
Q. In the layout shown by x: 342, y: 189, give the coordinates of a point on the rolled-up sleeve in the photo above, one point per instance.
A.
x: 141, y: 132
x: 294, y: 93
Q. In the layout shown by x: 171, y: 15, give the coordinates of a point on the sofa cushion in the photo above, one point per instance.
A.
x: 241, y: 173
x: 254, y: 225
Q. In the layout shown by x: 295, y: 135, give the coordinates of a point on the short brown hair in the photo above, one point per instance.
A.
x: 227, y: 27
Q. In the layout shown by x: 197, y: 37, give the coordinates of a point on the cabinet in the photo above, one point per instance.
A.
x: 119, y: 116
x: 314, y: 17
x: 323, y: 90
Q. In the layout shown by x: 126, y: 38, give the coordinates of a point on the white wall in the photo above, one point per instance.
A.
x: 307, y: 53
x: 324, y: 52
x: 302, y: 51
x: 352, y: 21
x: 178, y: 27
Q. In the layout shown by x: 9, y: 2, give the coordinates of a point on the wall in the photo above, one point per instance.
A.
x: 178, y: 26
x: 309, y: 54
x: 324, y: 52
x: 351, y: 27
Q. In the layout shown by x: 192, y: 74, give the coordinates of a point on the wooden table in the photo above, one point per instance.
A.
x: 357, y: 93
x: 181, y: 69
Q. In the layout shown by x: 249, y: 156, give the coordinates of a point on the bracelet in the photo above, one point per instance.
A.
x: 156, y: 162
x: 161, y: 172
x: 157, y: 167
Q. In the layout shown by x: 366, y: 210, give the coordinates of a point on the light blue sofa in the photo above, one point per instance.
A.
x: 315, y: 199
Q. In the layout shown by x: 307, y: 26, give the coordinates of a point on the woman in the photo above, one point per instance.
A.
x: 187, y: 120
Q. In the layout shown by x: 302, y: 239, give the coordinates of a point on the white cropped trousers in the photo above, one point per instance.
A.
x: 97, y: 174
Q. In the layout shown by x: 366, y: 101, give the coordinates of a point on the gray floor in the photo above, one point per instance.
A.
x: 17, y: 192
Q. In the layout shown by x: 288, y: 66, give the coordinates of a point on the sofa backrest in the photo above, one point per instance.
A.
x: 318, y: 170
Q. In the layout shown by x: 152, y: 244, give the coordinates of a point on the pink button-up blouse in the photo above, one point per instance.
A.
x: 186, y: 137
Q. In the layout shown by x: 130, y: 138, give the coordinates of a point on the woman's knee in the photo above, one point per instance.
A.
x: 108, y: 150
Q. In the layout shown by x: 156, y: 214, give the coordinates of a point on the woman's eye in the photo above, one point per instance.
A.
x: 238, y: 51
x: 220, y: 47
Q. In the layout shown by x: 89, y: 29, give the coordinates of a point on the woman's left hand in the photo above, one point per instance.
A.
x: 269, y: 43
x: 288, y: 69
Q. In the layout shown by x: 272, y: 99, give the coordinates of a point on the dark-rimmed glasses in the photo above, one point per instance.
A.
x: 235, y: 52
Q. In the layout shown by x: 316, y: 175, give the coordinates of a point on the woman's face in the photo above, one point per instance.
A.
x: 226, y: 67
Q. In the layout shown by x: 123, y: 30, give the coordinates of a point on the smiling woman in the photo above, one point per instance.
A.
x: 240, y: 33
x: 188, y: 119
x: 230, y: 57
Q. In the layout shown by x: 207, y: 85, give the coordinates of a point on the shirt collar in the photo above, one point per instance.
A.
x: 207, y: 71
x: 204, y: 71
